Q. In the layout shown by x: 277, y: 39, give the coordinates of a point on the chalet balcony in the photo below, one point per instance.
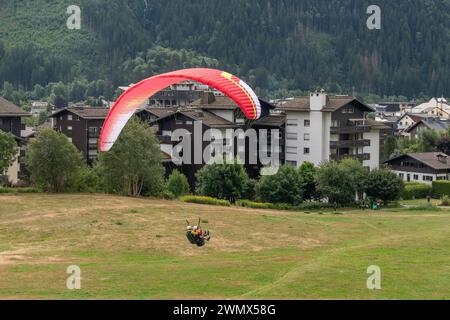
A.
x: 93, y: 134
x: 349, y: 144
x: 165, y: 139
x: 349, y: 129
x: 361, y: 157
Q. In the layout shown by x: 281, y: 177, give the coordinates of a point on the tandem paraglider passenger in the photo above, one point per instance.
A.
x: 196, y: 235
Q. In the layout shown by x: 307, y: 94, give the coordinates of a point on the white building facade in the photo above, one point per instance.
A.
x: 321, y: 128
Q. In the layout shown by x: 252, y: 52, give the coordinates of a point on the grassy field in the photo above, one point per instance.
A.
x: 136, y: 249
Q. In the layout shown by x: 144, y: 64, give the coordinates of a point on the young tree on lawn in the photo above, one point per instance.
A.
x: 286, y: 186
x: 356, y: 174
x: 335, y: 182
x: 384, y: 184
x: 133, y: 166
x: 390, y: 147
x: 53, y: 162
x: 8, y: 151
x: 307, y: 173
x: 178, y: 184
x: 223, y: 181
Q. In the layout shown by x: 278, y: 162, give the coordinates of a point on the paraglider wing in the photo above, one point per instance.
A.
x: 132, y: 99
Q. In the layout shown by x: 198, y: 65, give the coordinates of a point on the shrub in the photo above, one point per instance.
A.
x: 414, y: 190
x: 284, y: 206
x: 223, y: 181
x: 133, y: 166
x: 316, y: 205
x: 206, y: 200
x: 177, y: 184
x: 255, y: 205
x: 166, y: 194
x: 336, y: 182
x: 283, y: 187
x: 53, y: 161
x: 20, y: 190
x: 384, y: 184
x: 440, y: 188
x: 445, y: 201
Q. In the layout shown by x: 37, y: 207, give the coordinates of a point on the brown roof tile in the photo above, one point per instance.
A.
x: 333, y: 103
x: 431, y: 159
x: 9, y: 109
x: 86, y: 112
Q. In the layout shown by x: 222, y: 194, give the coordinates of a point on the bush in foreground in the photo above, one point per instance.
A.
x: 19, y: 190
x: 286, y: 186
x: 223, y: 181
x: 206, y: 200
x: 54, y: 162
x: 414, y: 190
x: 177, y: 184
x: 384, y: 184
x: 440, y: 188
x: 133, y: 166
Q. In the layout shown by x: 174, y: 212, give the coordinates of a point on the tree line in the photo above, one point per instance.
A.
x: 133, y: 168
x: 281, y: 47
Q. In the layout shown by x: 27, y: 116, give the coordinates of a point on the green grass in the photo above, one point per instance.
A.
x: 136, y: 249
x: 420, y: 202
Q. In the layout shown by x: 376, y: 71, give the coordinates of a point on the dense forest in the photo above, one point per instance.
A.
x: 281, y: 47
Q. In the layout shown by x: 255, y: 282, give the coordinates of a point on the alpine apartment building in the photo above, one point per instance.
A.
x: 322, y: 127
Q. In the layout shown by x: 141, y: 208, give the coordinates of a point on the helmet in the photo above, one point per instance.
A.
x: 189, y: 228
x: 195, y: 228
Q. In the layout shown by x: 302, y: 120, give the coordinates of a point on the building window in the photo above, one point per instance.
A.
x: 70, y: 140
x: 69, y: 117
x: 291, y: 136
x: 292, y: 163
x: 307, y: 123
x: 401, y: 175
x: 93, y: 130
x: 69, y: 128
x: 179, y: 122
x: 189, y: 123
x: 291, y: 150
x: 348, y: 110
x: 240, y: 121
x: 427, y: 178
x: 292, y: 122
x: 306, y: 151
x: 416, y: 177
x: 166, y: 133
x: 306, y: 137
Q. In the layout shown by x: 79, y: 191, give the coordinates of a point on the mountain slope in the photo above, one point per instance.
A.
x: 276, y: 45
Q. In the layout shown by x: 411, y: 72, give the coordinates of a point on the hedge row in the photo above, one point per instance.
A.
x: 19, y: 190
x: 440, y: 188
x: 205, y: 200
x: 283, y: 206
x: 414, y: 190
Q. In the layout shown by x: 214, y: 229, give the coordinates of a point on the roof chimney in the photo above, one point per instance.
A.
x: 208, y: 97
x: 442, y: 158
x: 318, y: 100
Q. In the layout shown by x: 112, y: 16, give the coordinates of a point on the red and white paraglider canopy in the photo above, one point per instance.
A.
x: 135, y: 96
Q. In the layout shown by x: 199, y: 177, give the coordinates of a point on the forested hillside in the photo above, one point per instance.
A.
x: 278, y: 46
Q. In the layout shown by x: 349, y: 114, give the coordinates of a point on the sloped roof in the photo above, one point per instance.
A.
x: 271, y: 121
x: 430, y: 159
x: 9, y: 109
x: 432, y: 123
x: 208, y: 118
x: 333, y: 103
x: 89, y: 113
x: 160, y: 111
x: 217, y: 102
